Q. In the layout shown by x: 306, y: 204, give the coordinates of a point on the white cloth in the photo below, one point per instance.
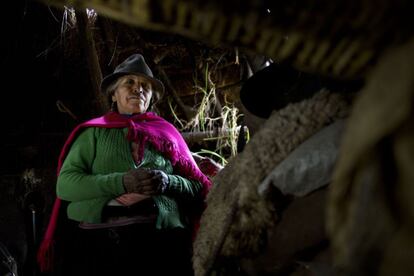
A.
x: 309, y: 166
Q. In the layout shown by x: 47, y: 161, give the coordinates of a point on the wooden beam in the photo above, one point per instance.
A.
x: 198, y: 136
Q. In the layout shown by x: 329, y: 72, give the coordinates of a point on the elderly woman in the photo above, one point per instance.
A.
x: 131, y: 186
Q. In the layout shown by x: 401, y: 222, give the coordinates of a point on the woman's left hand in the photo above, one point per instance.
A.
x: 131, y: 198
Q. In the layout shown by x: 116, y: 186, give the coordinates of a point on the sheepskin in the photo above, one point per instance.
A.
x: 236, y: 218
x: 370, y: 208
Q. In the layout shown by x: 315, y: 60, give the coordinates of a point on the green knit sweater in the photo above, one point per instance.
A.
x: 92, y: 173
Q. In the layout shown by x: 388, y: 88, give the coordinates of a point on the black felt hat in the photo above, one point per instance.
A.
x: 133, y: 65
x: 274, y: 87
x: 279, y: 84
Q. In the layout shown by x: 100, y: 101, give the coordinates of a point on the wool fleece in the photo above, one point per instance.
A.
x: 237, y: 217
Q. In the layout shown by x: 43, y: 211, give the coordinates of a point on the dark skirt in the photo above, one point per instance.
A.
x: 136, y: 249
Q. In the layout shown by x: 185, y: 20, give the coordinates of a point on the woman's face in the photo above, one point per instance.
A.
x: 133, y: 94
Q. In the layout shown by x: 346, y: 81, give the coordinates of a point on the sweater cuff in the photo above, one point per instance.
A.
x: 119, y: 184
x: 173, y: 183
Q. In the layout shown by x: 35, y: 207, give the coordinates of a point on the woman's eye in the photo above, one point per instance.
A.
x: 130, y: 81
x: 146, y: 86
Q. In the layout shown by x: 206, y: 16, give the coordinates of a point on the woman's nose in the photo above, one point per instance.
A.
x: 138, y: 89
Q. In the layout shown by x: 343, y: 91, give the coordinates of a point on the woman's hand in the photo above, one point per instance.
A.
x: 145, y: 181
x: 131, y: 198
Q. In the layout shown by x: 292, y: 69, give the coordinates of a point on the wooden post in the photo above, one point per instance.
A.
x: 189, y: 112
x: 88, y: 49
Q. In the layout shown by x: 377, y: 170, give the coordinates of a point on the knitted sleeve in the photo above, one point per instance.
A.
x: 183, y: 187
x: 76, y: 181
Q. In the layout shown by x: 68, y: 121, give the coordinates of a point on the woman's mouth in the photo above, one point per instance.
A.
x: 136, y: 98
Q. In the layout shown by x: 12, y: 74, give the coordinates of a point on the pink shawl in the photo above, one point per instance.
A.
x: 142, y: 128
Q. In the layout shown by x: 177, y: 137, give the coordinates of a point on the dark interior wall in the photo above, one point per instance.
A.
x: 34, y: 76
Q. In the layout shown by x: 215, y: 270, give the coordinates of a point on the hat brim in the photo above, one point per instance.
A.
x: 258, y: 94
x: 158, y: 86
x: 276, y: 86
